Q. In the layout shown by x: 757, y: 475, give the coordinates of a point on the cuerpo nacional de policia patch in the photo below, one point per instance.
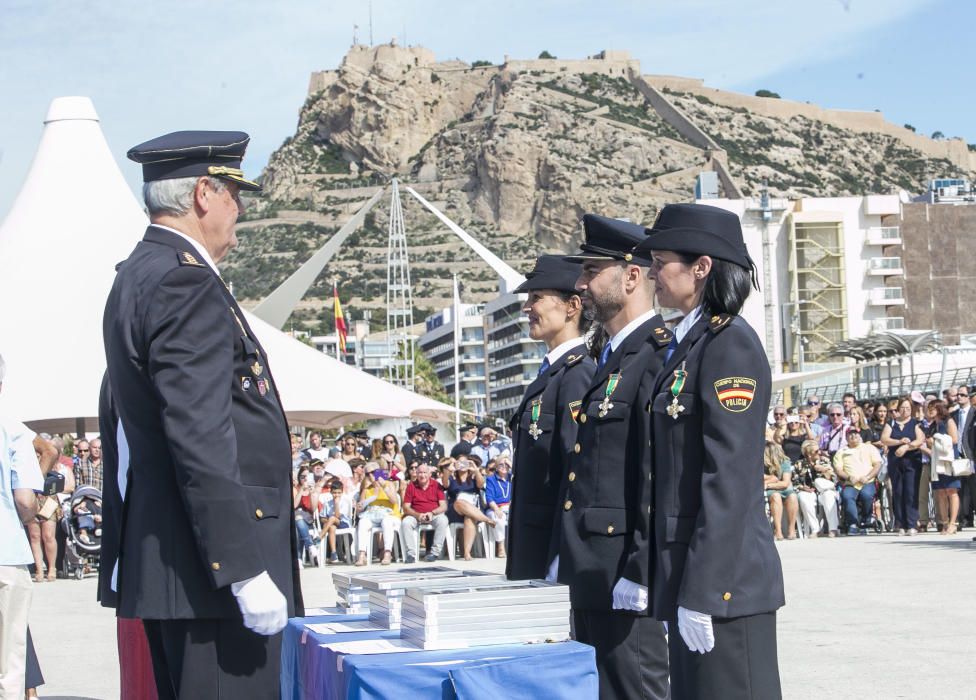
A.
x: 735, y: 393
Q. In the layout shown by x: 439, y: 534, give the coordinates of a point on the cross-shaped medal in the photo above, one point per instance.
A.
x: 605, y: 406
x: 534, y: 431
x: 675, y: 408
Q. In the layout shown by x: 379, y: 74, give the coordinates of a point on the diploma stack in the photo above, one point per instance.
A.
x: 457, y: 615
x: 386, y: 589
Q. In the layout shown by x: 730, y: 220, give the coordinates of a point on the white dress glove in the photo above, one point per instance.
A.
x: 696, y: 630
x: 553, y: 571
x: 628, y: 595
x: 264, y: 608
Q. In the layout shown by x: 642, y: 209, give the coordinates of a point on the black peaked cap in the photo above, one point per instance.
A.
x: 698, y: 229
x: 611, y: 239
x: 194, y: 154
x: 552, y: 272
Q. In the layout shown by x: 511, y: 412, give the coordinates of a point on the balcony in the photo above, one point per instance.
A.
x: 886, y: 296
x: 889, y: 323
x: 884, y: 235
x: 885, y: 267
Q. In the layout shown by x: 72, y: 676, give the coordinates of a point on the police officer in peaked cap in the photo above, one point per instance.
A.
x: 544, y: 425
x: 605, y: 505
x: 717, y: 576
x: 207, y: 552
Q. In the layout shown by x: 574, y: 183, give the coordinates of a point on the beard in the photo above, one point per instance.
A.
x: 602, y: 309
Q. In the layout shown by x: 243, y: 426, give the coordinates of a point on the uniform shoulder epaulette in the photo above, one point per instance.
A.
x: 574, y: 359
x: 189, y: 259
x: 119, y: 264
x: 661, y: 336
x: 719, y: 321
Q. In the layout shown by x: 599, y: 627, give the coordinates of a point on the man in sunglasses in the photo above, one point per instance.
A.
x: 833, y: 437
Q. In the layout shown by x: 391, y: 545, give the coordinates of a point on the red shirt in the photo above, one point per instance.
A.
x: 424, y: 500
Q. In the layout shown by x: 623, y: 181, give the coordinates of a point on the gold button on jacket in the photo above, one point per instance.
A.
x: 215, y: 566
x: 567, y: 505
x: 259, y: 513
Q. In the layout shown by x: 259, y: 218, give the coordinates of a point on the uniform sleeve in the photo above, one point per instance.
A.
x: 732, y: 472
x: 191, y: 339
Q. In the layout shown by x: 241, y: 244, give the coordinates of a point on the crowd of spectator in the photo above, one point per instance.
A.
x: 902, y: 464
x: 389, y: 488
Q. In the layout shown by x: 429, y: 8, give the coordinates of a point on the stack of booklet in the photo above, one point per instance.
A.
x: 351, y: 599
x: 386, y: 589
x: 457, y: 614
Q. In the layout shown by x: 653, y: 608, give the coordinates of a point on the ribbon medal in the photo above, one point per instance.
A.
x: 534, y: 430
x: 612, y: 381
x: 674, y: 408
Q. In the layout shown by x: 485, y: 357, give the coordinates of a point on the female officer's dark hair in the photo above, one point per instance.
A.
x: 726, y: 288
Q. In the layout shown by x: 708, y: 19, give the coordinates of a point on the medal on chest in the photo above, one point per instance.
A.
x: 534, y: 430
x: 674, y: 408
x: 606, y: 405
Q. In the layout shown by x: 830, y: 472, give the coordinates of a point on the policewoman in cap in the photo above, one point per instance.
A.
x: 605, y: 545
x: 207, y: 548
x: 717, y: 575
x: 544, y: 425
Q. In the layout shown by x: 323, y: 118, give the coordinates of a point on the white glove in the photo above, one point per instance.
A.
x: 553, y: 573
x: 628, y: 595
x: 264, y: 608
x: 696, y: 630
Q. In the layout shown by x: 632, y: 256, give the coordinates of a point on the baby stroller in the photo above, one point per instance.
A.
x: 82, y: 534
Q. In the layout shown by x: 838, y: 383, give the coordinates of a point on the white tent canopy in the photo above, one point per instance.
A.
x: 72, y: 221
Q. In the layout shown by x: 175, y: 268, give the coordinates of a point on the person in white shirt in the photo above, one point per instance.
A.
x: 336, y: 515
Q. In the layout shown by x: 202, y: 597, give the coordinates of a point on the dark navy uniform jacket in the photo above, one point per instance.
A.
x: 434, y: 453
x: 540, y: 462
x: 714, y: 550
x: 208, y: 500
x: 605, y: 504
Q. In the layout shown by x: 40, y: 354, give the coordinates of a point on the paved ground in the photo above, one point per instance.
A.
x: 866, y: 617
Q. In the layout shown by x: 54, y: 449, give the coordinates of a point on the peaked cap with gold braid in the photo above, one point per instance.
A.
x: 194, y: 154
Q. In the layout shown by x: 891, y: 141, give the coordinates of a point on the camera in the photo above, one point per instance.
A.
x: 793, y: 419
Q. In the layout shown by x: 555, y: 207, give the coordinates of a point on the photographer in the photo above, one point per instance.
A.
x: 305, y: 500
x: 379, y: 504
x: 463, y: 489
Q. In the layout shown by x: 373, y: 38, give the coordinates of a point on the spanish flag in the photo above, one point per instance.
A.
x: 340, y: 321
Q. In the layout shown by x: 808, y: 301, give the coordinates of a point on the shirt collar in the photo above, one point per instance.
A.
x: 199, y: 248
x: 562, y: 349
x: 686, y: 323
x: 622, y: 334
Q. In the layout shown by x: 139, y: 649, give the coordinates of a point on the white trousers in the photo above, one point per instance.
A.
x: 368, y: 519
x: 808, y: 508
x: 15, y: 599
x: 501, y: 521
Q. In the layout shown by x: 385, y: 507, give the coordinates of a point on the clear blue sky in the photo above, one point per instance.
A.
x: 156, y: 67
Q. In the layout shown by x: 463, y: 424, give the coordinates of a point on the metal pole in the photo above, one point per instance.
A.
x: 457, y: 362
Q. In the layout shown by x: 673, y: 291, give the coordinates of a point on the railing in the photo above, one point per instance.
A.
x: 884, y: 235
x: 927, y: 383
x: 886, y: 295
x: 885, y: 266
x: 889, y: 323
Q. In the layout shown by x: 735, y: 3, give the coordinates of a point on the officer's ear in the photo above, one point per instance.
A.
x: 201, y: 195
x: 701, y: 267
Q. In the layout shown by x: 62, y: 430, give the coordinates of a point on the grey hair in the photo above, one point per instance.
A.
x: 3, y: 369
x: 174, y: 197
x: 834, y: 405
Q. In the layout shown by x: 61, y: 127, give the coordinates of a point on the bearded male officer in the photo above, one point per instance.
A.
x: 606, y: 540
x: 206, y: 546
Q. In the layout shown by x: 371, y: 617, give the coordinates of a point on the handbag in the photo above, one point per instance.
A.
x: 961, y: 467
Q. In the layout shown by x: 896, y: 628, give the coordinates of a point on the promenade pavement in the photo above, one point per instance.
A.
x: 878, y: 616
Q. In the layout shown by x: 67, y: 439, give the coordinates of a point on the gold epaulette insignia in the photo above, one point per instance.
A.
x: 719, y: 321
x: 573, y: 359
x: 661, y: 336
x: 188, y: 259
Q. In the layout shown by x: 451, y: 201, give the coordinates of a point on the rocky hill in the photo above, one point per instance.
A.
x: 516, y: 153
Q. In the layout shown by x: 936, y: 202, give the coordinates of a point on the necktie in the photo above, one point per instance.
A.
x: 604, y: 356
x: 671, y: 346
x: 544, y: 367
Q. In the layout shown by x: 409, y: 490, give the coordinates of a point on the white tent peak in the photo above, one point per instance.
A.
x: 71, y: 109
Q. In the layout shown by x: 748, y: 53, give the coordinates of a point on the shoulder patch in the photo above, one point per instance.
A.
x: 735, y: 393
x: 661, y: 336
x: 189, y: 259
x: 718, y: 322
x: 573, y: 359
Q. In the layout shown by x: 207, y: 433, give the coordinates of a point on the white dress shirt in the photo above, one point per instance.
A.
x: 681, y: 330
x: 622, y: 334
x: 562, y: 349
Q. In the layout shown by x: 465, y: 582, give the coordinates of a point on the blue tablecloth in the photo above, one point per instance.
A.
x: 311, y: 671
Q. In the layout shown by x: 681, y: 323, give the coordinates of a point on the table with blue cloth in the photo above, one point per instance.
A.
x: 310, y: 670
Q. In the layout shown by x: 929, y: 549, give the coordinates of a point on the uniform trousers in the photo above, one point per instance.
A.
x: 213, y: 659
x: 631, y: 653
x: 743, y: 664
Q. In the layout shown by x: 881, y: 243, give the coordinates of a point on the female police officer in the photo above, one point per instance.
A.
x: 544, y: 426
x: 717, y: 575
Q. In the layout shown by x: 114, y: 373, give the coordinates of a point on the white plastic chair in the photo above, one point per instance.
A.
x: 448, y: 540
x: 397, y: 545
x: 486, y: 542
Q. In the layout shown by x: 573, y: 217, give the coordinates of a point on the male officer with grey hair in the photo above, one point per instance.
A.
x: 207, y: 552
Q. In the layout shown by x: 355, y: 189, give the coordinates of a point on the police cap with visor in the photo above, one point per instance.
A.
x: 194, y: 154
x: 552, y: 272
x: 611, y: 239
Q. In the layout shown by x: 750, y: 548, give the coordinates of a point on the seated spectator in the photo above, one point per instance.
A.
x: 379, y: 504
x: 305, y: 495
x: 315, y: 449
x: 498, y: 494
x: 833, y: 437
x: 945, y: 487
x: 486, y: 449
x: 815, y: 482
x: 355, y: 484
x: 424, y: 503
x: 856, y: 467
x: 88, y: 517
x: 779, y: 490
x: 797, y: 432
x: 779, y: 423
x: 336, y: 513
x: 407, y: 477
x: 463, y: 491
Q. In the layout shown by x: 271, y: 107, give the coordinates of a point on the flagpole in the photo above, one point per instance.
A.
x: 457, y: 363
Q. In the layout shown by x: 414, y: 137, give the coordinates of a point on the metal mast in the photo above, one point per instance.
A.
x: 399, y: 301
